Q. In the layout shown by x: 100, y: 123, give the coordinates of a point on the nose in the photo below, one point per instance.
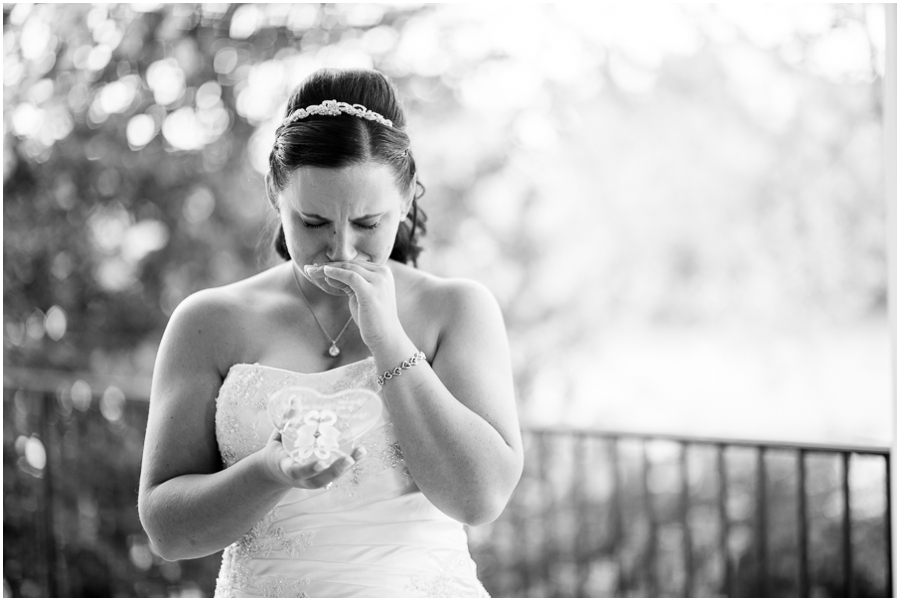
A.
x: 341, y: 246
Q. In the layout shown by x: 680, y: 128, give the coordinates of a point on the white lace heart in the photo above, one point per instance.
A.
x: 318, y: 424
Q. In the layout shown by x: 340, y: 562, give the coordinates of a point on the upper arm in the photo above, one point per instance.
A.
x: 472, y: 358
x: 180, y: 436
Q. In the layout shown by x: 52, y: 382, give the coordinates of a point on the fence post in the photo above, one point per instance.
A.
x: 615, y: 510
x: 723, y: 518
x: 687, y: 543
x: 47, y: 515
x: 549, y: 539
x: 803, y: 534
x: 583, y: 534
x: 650, y: 551
x: 888, y: 525
x: 761, y: 523
x: 847, y: 542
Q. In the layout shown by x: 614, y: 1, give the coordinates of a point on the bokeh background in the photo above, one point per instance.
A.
x: 680, y: 209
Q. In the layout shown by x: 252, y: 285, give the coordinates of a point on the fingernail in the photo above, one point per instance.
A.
x: 320, y: 465
x: 362, y: 451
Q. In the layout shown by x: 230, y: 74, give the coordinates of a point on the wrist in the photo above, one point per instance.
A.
x: 266, y: 474
x: 398, y: 371
x: 391, y: 352
x: 391, y: 338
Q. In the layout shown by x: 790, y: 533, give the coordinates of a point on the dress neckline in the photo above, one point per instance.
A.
x: 301, y: 373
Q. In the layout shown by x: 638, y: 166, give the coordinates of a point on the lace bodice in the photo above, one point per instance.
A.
x: 372, y: 534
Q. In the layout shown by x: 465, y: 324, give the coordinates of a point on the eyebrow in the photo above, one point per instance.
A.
x: 363, y: 218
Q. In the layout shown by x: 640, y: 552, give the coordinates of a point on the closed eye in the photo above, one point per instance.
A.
x: 365, y: 226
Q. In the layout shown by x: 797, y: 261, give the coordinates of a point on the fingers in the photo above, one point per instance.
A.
x: 364, y: 268
x: 302, y: 472
x: 325, y: 275
x: 339, y: 467
x: 332, y: 473
x: 361, y: 267
x: 348, y: 290
x: 350, y: 274
x: 367, y: 265
x: 344, y: 279
x: 319, y: 474
x: 318, y: 279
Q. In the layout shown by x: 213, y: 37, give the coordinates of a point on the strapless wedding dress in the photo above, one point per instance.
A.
x: 373, y: 534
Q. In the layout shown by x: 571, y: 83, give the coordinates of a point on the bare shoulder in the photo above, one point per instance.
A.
x: 212, y: 323
x: 206, y: 308
x: 467, y: 295
x: 470, y: 318
x: 444, y: 295
x: 455, y: 309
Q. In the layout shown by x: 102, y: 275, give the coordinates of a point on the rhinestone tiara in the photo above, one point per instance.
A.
x: 333, y: 107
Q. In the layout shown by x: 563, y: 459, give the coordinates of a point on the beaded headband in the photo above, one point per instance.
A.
x: 333, y: 107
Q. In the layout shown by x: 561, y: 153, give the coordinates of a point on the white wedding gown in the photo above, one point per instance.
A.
x: 373, y: 534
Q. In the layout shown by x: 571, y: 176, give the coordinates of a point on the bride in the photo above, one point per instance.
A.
x: 333, y: 421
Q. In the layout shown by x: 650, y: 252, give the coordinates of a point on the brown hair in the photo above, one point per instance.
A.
x: 343, y: 140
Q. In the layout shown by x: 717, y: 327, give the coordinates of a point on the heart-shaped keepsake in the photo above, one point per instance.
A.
x: 316, y: 426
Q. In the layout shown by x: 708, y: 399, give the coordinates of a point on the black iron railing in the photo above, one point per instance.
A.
x: 687, y: 516
x: 596, y: 513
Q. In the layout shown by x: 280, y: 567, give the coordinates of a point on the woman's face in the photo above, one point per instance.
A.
x: 346, y: 214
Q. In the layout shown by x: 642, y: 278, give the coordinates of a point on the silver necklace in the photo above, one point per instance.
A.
x: 333, y: 350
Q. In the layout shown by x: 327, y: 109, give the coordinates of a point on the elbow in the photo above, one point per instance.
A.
x: 170, y: 548
x: 483, y: 512
x: 477, y: 507
x: 481, y: 518
x: 487, y: 505
x: 167, y: 552
x: 474, y: 509
x: 158, y: 544
x: 477, y: 501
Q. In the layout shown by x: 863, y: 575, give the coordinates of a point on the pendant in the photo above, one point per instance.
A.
x: 334, y: 351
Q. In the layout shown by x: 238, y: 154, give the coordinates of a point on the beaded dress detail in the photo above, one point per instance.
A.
x: 372, y: 534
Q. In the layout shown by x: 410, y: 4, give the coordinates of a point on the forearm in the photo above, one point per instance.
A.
x: 198, y: 514
x: 458, y: 460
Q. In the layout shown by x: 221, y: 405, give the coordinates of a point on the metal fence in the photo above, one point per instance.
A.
x: 613, y: 514
x: 596, y: 513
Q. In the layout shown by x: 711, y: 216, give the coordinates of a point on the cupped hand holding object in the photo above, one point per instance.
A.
x: 318, y: 427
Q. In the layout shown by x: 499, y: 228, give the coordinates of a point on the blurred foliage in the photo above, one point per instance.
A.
x: 70, y: 522
x: 593, y: 165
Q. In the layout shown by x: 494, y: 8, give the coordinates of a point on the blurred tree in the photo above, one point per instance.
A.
x: 597, y: 166
x: 135, y: 137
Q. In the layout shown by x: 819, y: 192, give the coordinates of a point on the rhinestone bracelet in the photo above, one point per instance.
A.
x: 411, y: 362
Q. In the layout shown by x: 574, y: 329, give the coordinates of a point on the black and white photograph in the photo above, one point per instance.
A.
x: 449, y: 300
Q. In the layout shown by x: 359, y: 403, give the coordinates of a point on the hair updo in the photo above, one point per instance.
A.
x: 344, y: 140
